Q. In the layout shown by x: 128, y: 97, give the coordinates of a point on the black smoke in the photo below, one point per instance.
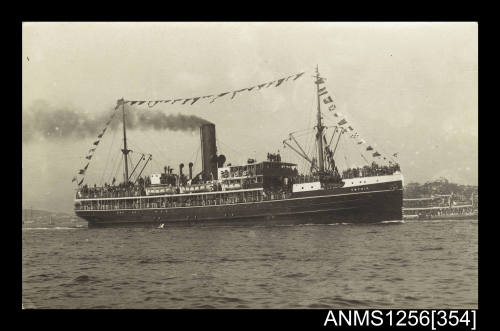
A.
x: 53, y: 123
x: 144, y: 119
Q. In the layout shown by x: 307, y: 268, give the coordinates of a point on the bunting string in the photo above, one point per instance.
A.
x: 212, y: 97
x: 342, y: 123
x: 91, y: 151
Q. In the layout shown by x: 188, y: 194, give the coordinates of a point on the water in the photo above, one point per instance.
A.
x: 430, y: 264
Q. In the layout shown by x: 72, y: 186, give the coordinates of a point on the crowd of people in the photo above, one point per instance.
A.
x: 131, y: 189
x: 112, y: 191
x: 274, y: 157
x: 369, y: 171
x: 305, y: 179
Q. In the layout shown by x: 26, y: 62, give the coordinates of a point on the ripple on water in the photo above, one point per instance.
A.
x: 296, y: 275
x: 430, y: 249
x: 276, y: 267
x: 82, y: 278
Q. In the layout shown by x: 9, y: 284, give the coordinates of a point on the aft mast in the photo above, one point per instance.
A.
x: 125, y: 151
x: 320, y: 127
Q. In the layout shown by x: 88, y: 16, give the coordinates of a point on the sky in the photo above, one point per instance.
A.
x: 407, y: 88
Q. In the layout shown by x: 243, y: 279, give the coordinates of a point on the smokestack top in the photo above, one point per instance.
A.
x: 208, y: 151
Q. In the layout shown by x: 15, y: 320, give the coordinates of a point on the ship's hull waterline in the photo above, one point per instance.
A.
x: 375, y: 203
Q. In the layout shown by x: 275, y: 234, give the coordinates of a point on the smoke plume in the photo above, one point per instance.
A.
x: 42, y: 120
x: 153, y: 119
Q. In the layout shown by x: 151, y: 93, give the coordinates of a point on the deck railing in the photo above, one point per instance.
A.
x: 160, y: 202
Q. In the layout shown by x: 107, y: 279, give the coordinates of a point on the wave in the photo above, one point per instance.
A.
x: 430, y: 249
x: 296, y: 275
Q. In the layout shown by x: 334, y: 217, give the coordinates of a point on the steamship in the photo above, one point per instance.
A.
x: 267, y: 192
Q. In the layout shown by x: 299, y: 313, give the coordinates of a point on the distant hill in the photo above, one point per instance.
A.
x: 35, y: 213
x: 439, y: 187
x: 36, y: 217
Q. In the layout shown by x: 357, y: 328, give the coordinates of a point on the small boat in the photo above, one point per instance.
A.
x: 439, y: 207
x: 161, y: 226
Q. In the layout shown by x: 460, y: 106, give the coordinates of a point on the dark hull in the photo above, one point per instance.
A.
x: 376, y: 203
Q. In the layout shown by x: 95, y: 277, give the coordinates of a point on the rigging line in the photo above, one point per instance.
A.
x: 112, y: 163
x: 132, y: 143
x: 340, y: 161
x: 118, y: 159
x: 365, y: 160
x: 197, y: 154
x: 309, y: 150
x: 384, y: 153
x: 150, y: 169
x: 307, y: 145
x: 117, y: 166
x: 131, y: 165
x: 333, y: 135
x: 218, y: 141
x: 355, y: 158
x: 155, y: 146
x: 152, y: 141
x: 303, y: 134
x: 350, y: 154
x: 157, y: 152
x: 142, y: 154
x: 135, y: 168
x: 294, y: 132
x: 352, y: 148
x: 299, y: 160
x: 137, y: 147
x: 380, y: 148
x: 107, y: 158
x: 157, y: 163
x: 141, y: 151
x: 368, y: 163
x: 229, y: 147
x: 110, y: 160
x: 346, y: 149
x: 106, y: 176
x: 346, y: 162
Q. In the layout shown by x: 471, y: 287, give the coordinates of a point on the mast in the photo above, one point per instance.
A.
x: 125, y: 150
x: 319, y: 135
